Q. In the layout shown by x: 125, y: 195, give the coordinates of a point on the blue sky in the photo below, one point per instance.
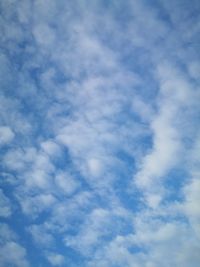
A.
x: 99, y: 133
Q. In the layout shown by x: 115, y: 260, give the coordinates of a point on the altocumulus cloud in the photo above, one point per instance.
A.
x: 99, y: 133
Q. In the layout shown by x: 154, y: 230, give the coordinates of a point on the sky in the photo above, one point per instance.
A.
x: 99, y: 133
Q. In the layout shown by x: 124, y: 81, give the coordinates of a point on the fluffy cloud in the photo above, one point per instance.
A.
x: 11, y: 252
x: 6, y: 135
x: 55, y: 259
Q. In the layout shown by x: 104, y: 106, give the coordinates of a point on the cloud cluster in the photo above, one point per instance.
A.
x: 99, y: 133
x: 11, y: 253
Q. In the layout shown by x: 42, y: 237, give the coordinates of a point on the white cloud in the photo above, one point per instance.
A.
x: 55, y: 259
x: 91, y: 232
x: 24, y: 11
x: 192, y: 193
x: 34, y: 205
x: 66, y: 183
x: 12, y: 160
x: 6, y: 135
x: 71, y: 210
x: 153, y: 200
x: 95, y: 167
x: 38, y: 179
x: 40, y: 235
x: 83, y: 118
x: 190, y: 205
x: 152, y: 239
x: 12, y: 254
x: 11, y: 115
x: 35, y: 166
x: 51, y: 148
x: 6, y: 234
x: 144, y: 110
x: 44, y: 35
x: 166, y: 125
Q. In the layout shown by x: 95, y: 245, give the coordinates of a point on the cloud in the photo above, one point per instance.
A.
x: 66, y: 183
x: 55, y: 259
x: 34, y: 205
x: 99, y: 133
x: 175, y: 94
x: 6, y: 233
x: 51, y: 148
x: 91, y: 233
x: 6, y: 135
x: 43, y: 35
x: 191, y: 207
x: 11, y: 252
x: 95, y: 167
x: 40, y: 236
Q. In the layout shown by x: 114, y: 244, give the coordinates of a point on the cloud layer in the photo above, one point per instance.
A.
x: 99, y: 133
